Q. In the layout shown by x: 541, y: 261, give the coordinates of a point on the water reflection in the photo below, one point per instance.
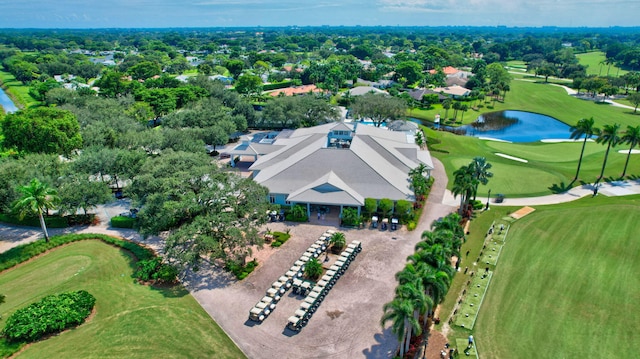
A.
x: 514, y: 126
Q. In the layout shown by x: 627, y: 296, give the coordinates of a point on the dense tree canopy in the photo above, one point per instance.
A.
x: 42, y: 130
x: 379, y: 108
x: 210, y: 213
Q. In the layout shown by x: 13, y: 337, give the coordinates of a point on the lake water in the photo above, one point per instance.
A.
x: 6, y: 103
x: 515, y: 126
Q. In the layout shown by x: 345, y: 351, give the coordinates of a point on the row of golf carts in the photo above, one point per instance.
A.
x: 384, y: 223
x: 316, y: 294
x: 267, y: 304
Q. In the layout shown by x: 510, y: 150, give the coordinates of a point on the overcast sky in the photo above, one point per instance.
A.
x: 214, y: 13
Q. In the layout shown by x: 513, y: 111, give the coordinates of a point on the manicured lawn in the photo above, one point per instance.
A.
x: 19, y: 90
x: 593, y: 59
x: 551, y: 165
x: 546, y: 99
x: 131, y: 320
x: 566, y: 285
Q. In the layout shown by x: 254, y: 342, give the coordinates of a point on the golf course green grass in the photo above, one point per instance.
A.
x: 566, y: 285
x: 131, y: 320
x: 550, y: 167
x: 544, y: 98
x: 594, y: 61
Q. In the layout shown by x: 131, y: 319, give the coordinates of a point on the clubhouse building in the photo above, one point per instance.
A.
x: 337, y: 165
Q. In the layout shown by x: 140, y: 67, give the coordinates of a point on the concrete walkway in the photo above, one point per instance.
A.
x: 609, y: 189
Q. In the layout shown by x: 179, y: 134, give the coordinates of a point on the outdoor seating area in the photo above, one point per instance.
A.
x: 317, y: 293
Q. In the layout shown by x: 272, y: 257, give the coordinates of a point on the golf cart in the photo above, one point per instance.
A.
x: 394, y: 224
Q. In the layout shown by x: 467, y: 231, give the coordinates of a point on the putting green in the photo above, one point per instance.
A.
x: 131, y: 320
x: 567, y: 284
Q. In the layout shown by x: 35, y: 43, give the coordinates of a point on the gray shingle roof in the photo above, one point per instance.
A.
x: 376, y: 165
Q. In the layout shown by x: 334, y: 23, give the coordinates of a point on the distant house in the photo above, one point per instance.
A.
x: 296, y: 90
x: 455, y: 91
x: 418, y: 94
x: 454, y: 76
x: 361, y: 90
x: 380, y: 84
x: 227, y: 80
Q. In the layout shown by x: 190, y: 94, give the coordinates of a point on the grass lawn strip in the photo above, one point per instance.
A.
x: 131, y: 321
x: 461, y: 345
x: 471, y: 302
x: 567, y: 285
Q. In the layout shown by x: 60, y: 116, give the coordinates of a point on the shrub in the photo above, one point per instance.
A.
x: 338, y: 241
x: 31, y: 221
x: 279, y: 239
x: 313, y: 269
x: 477, y: 204
x: 123, y: 222
x: 275, y: 86
x: 350, y: 217
x: 411, y: 226
x: 82, y: 219
x: 52, y: 314
x: 154, y: 269
x: 25, y: 252
x: 239, y: 270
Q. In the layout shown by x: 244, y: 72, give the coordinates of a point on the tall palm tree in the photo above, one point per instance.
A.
x: 480, y: 172
x: 446, y: 104
x: 400, y: 312
x: 436, y: 256
x: 449, y: 222
x: 585, y: 127
x: 608, y: 135
x: 463, y: 185
x: 36, y: 197
x: 631, y: 137
x: 421, y: 302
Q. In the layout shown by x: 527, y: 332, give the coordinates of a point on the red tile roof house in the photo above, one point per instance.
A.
x: 296, y: 90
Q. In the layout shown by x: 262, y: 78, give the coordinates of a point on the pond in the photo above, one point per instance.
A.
x: 6, y: 103
x: 515, y: 126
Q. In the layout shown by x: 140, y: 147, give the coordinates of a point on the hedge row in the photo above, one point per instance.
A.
x: 275, y: 86
x: 52, y: 314
x: 123, y: 222
x: 19, y: 254
x: 51, y: 221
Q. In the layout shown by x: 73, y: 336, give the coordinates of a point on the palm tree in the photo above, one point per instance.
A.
x: 464, y: 107
x: 421, y: 302
x: 446, y: 104
x: 631, y: 137
x: 449, y: 222
x: 338, y: 241
x: 463, y: 185
x: 36, y: 197
x: 480, y: 172
x: 436, y: 282
x: 400, y: 312
x: 608, y: 135
x: 585, y: 127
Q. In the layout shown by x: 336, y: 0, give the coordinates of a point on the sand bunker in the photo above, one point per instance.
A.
x: 493, y: 139
x: 557, y: 140
x: 522, y: 212
x: 633, y: 152
x: 512, y: 158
